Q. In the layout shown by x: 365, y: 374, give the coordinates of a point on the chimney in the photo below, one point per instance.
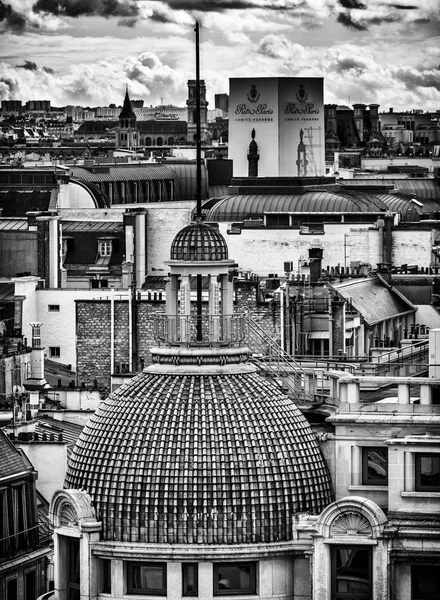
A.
x: 315, y: 260
x: 36, y: 380
x: 358, y: 117
x: 374, y: 117
x: 330, y: 118
x: 337, y: 326
x: 49, y: 255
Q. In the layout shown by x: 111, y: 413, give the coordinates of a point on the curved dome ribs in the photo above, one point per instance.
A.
x: 199, y: 459
x: 199, y: 242
x: 239, y: 207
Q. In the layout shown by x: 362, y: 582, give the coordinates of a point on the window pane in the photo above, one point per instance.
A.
x: 190, y: 579
x: 430, y: 471
x: 351, y: 573
x: 374, y: 466
x: 239, y: 578
x: 147, y: 578
x: 425, y: 582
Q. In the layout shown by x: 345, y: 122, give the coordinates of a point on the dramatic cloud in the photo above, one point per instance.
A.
x: 381, y: 51
x: 413, y: 78
x: 11, y: 19
x: 99, y: 84
x: 22, y: 15
x: 77, y: 8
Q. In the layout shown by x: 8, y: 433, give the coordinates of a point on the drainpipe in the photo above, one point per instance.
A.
x: 130, y: 332
x: 112, y: 331
x: 282, y: 316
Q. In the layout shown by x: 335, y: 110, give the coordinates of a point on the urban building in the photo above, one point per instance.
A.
x: 25, y: 533
x: 239, y: 466
x: 200, y: 477
x: 221, y: 101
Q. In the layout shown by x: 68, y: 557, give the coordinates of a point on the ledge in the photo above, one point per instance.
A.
x: 368, y: 488
x: 137, y: 550
x: 420, y: 494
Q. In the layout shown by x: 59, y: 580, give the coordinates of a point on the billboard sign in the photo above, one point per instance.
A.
x: 287, y: 115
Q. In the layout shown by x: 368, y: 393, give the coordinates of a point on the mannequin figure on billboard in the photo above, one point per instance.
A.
x: 302, y: 161
x: 253, y: 157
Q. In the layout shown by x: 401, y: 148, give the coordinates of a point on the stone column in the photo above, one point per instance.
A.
x: 185, y: 309
x: 214, y: 309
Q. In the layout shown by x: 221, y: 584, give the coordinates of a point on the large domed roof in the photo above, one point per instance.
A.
x: 199, y: 241
x: 199, y: 454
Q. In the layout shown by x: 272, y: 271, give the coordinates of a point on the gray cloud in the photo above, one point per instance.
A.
x: 414, y: 79
x: 352, y: 4
x: 346, y: 19
x: 78, y: 8
x: 215, y: 5
x: 12, y: 19
x: 28, y: 65
x: 347, y: 64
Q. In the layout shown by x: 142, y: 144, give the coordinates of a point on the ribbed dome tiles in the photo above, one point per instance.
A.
x: 239, y: 207
x: 199, y: 241
x: 209, y: 458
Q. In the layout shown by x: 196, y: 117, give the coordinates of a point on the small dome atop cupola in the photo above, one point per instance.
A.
x: 199, y: 241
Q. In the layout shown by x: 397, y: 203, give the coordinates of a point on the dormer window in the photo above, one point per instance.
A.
x: 105, y: 247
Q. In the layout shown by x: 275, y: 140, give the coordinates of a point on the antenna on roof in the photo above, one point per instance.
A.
x: 198, y: 127
x: 198, y: 178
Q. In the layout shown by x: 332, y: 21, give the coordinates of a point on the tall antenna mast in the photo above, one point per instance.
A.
x: 198, y: 126
x: 198, y: 179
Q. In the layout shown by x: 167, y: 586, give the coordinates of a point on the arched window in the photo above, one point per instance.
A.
x: 148, y: 141
x: 170, y: 140
x: 159, y: 141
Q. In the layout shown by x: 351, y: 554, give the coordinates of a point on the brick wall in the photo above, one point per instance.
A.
x: 93, y: 331
x: 265, y: 315
x: 93, y: 338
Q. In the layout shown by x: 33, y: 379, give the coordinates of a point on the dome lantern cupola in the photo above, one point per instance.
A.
x: 199, y: 257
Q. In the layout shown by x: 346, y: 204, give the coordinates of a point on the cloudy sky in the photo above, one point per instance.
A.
x: 86, y: 51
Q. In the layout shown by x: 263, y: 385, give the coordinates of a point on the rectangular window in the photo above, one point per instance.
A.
x: 374, y: 466
x: 351, y: 573
x: 147, y: 578
x: 427, y: 472
x: 12, y: 589
x: 5, y: 540
x: 425, y: 582
x: 73, y: 569
x: 235, y: 578
x: 105, y: 248
x: 190, y: 579
x: 54, y: 308
x: 106, y: 576
x: 30, y: 585
x: 54, y: 352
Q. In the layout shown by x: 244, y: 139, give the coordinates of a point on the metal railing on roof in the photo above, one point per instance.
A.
x: 197, y: 331
x: 274, y: 362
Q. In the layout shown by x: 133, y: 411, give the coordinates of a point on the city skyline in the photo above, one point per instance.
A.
x: 71, y: 52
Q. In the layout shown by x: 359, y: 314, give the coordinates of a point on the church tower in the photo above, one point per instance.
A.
x: 128, y: 135
x: 191, y: 103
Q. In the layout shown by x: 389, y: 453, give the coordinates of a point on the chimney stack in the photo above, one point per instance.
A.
x: 315, y: 260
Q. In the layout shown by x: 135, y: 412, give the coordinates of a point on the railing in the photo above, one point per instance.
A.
x: 274, y: 362
x: 412, y: 351
x: 206, y: 330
